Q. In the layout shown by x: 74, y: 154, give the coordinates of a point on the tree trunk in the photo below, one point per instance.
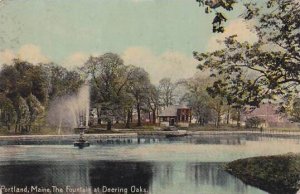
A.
x: 228, y: 116
x: 99, y: 116
x: 128, y: 119
x: 154, y: 117
x: 218, y: 118
x: 138, y: 108
x: 238, y: 122
x: 149, y: 116
x: 108, y: 126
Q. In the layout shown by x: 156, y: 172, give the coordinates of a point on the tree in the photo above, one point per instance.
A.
x: 153, y: 101
x: 35, y: 109
x: 60, y: 81
x: 25, y: 91
x: 295, y: 110
x: 109, y: 78
x: 23, y: 115
x: 7, y: 111
x: 166, y: 92
x: 268, y: 69
x: 254, y: 122
x: 214, y: 5
x: 138, y: 86
x: 204, y: 107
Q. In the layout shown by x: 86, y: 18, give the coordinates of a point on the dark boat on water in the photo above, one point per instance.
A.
x: 179, y: 133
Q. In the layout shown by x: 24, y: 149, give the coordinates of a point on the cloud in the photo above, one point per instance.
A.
x: 29, y: 52
x: 32, y: 54
x: 75, y: 60
x: 236, y: 27
x: 7, y: 56
x: 171, y: 64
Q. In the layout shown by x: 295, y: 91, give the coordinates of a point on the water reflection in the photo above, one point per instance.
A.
x: 213, y: 174
x: 221, y: 139
x: 158, y: 165
x: 153, y: 177
x: 87, y: 175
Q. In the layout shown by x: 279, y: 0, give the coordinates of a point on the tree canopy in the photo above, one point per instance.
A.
x: 248, y: 74
x: 26, y: 89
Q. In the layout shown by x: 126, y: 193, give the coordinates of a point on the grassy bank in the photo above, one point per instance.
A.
x: 275, y: 174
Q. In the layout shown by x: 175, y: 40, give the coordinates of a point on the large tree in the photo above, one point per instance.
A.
x: 138, y: 87
x: 109, y: 79
x: 269, y: 68
x: 204, y: 107
x: 166, y: 92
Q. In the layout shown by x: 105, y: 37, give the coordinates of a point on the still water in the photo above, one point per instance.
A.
x: 144, y: 165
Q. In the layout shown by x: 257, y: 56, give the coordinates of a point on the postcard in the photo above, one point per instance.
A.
x: 149, y: 96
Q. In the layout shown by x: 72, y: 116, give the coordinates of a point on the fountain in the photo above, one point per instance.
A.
x: 72, y: 112
x: 81, y: 142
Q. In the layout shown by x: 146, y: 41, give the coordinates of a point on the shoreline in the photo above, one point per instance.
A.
x: 135, y: 134
x: 67, y: 137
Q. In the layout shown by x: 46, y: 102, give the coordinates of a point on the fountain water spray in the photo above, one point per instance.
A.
x: 68, y: 111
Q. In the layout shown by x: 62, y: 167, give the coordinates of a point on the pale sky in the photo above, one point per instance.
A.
x: 158, y: 35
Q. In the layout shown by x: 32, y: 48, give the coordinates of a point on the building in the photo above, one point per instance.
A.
x: 268, y: 112
x: 175, y: 115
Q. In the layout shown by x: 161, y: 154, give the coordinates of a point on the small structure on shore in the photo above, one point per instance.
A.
x: 175, y: 115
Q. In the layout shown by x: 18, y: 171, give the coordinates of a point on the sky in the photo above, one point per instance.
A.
x: 158, y: 35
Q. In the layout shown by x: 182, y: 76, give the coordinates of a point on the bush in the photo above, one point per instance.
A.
x: 254, y: 122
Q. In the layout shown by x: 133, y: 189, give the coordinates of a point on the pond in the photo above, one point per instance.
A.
x: 144, y: 165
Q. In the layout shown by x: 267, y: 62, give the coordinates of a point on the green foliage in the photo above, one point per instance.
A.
x: 60, y: 81
x: 205, y: 108
x: 35, y: 108
x: 23, y: 113
x: 214, y: 5
x: 138, y: 86
x: 295, y: 110
x: 254, y: 122
x: 118, y: 89
x: 26, y: 89
x: 109, y: 79
x: 266, y: 70
x: 7, y: 111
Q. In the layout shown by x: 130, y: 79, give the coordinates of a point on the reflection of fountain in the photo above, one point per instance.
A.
x: 81, y: 142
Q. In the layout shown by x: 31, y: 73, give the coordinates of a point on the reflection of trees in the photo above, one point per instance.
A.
x: 44, y: 174
x: 164, y: 174
x: 121, y: 174
x: 212, y: 174
x: 77, y: 174
x: 226, y: 140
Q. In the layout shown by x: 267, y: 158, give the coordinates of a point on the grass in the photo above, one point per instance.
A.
x: 275, y: 174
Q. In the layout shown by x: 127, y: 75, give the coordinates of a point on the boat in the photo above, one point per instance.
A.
x: 179, y: 133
